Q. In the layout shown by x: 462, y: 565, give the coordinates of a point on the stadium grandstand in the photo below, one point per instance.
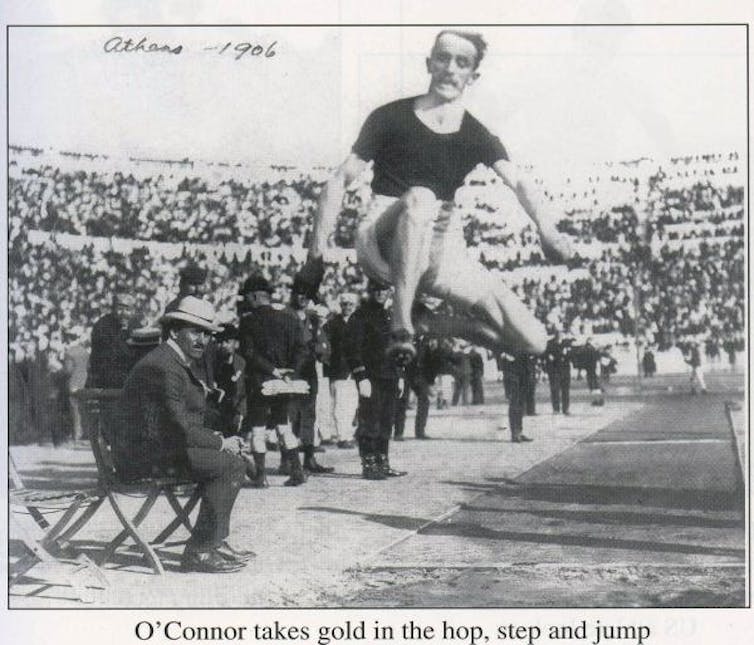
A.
x: 660, y: 244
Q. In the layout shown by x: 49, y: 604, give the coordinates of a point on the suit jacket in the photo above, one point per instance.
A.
x: 111, y: 357
x: 161, y: 414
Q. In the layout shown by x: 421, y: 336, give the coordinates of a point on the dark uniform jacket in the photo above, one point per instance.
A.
x: 161, y: 414
x: 270, y: 339
x: 367, y: 337
x: 337, y: 368
x: 557, y: 356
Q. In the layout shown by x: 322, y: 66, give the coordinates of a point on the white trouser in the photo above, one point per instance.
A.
x: 325, y: 424
x: 345, y: 401
x: 285, y: 436
x: 445, y: 387
x: 697, y: 379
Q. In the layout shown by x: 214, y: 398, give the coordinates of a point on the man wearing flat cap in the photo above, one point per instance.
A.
x: 161, y: 431
x: 272, y: 344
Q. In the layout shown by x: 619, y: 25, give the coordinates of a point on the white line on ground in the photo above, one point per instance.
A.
x: 654, y: 442
x: 545, y: 565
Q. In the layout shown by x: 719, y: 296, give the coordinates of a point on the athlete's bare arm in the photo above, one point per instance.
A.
x: 331, y: 203
x: 554, y: 244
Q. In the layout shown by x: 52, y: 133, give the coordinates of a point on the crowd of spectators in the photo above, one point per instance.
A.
x: 56, y: 290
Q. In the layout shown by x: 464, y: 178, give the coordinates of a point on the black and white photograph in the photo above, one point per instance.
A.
x: 379, y: 315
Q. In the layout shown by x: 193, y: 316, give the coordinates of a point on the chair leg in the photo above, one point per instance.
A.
x: 51, y: 536
x: 182, y: 514
x: 38, y: 553
x: 130, y: 528
x: 68, y: 534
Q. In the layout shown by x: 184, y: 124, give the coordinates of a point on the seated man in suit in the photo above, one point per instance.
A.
x: 162, y: 432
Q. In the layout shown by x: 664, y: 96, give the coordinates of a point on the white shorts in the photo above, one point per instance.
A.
x: 452, y: 274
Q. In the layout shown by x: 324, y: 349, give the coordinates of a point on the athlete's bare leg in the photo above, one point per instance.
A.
x: 449, y: 326
x: 404, y: 237
x: 499, y: 321
x: 516, y: 327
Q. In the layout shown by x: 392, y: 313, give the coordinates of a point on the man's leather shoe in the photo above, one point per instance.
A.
x: 423, y: 436
x: 235, y: 555
x: 208, y: 562
x: 346, y: 445
x: 521, y: 438
x: 383, y: 463
x: 398, y: 437
x: 313, y: 466
x: 295, y: 480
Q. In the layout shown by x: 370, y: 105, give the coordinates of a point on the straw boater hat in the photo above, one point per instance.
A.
x: 144, y: 337
x: 194, y: 311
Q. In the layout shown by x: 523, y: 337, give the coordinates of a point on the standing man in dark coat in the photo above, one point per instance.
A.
x: 376, y: 379
x: 529, y: 366
x: 272, y: 344
x: 160, y: 431
x: 557, y: 364
x: 111, y: 357
x: 514, y: 376
x: 477, y: 377
x: 303, y: 407
x: 420, y: 376
x: 230, y: 378
x: 587, y: 357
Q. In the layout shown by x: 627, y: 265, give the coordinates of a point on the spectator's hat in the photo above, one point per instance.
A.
x: 192, y: 273
x: 229, y: 332
x: 302, y: 287
x: 194, y: 311
x: 377, y: 285
x: 144, y: 337
x: 255, y: 283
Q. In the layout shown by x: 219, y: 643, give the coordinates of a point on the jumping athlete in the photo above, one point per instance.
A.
x: 423, y: 148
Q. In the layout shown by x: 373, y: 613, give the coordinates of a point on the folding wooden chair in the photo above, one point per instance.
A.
x: 97, y: 408
x: 51, y: 545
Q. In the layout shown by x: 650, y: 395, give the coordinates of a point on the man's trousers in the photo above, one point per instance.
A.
x: 377, y: 414
x: 302, y: 411
x: 220, y: 475
x: 345, y: 401
x: 422, y: 390
x: 560, y: 389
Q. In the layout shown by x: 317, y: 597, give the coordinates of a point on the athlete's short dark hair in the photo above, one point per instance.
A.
x: 476, y: 39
